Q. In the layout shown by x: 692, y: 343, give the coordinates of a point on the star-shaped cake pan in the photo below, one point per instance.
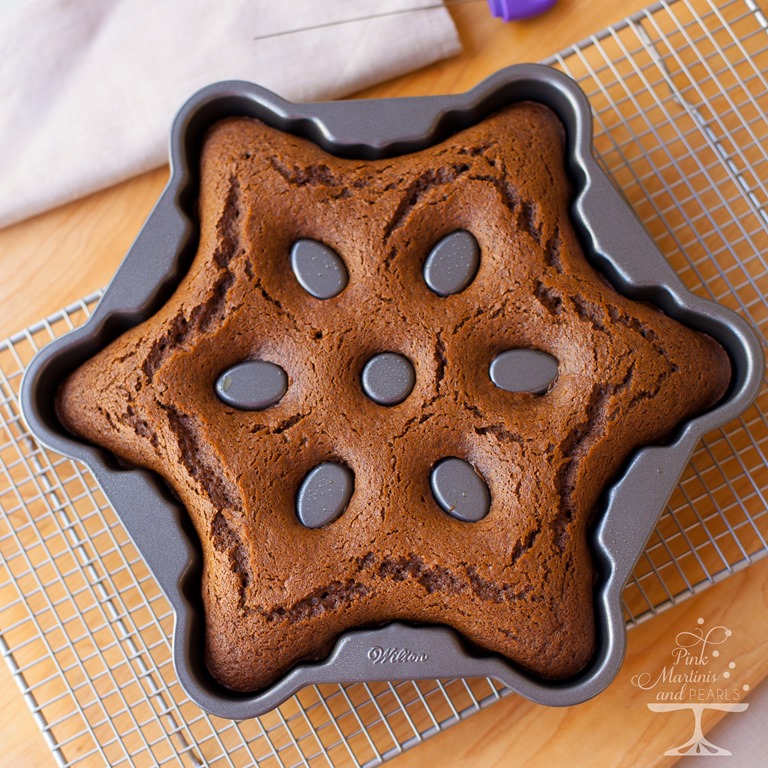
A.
x: 426, y: 399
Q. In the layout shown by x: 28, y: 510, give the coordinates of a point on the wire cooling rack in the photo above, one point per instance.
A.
x: 679, y: 97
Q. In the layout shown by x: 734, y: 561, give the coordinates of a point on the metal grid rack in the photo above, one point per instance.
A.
x: 679, y: 97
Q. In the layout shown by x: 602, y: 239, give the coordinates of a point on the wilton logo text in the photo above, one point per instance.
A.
x: 379, y: 655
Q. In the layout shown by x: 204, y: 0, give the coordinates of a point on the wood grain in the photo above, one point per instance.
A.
x: 617, y: 728
x: 56, y: 258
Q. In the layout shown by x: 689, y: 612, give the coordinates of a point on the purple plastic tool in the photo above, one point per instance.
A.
x: 515, y: 10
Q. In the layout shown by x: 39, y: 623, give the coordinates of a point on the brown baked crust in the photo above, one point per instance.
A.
x: 520, y: 581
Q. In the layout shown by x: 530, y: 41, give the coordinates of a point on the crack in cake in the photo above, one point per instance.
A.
x: 294, y: 556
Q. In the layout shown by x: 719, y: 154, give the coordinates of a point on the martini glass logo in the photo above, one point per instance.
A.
x: 698, y: 678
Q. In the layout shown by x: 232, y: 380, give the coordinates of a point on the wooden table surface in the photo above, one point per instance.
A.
x: 56, y: 258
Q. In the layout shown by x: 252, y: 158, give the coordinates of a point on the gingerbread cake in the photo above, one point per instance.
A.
x: 392, y: 390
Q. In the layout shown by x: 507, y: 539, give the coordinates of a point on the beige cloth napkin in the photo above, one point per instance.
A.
x: 88, y: 88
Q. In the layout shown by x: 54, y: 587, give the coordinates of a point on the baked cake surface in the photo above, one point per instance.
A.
x: 519, y: 581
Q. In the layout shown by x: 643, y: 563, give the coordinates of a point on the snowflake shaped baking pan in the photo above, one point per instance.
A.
x: 373, y: 392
